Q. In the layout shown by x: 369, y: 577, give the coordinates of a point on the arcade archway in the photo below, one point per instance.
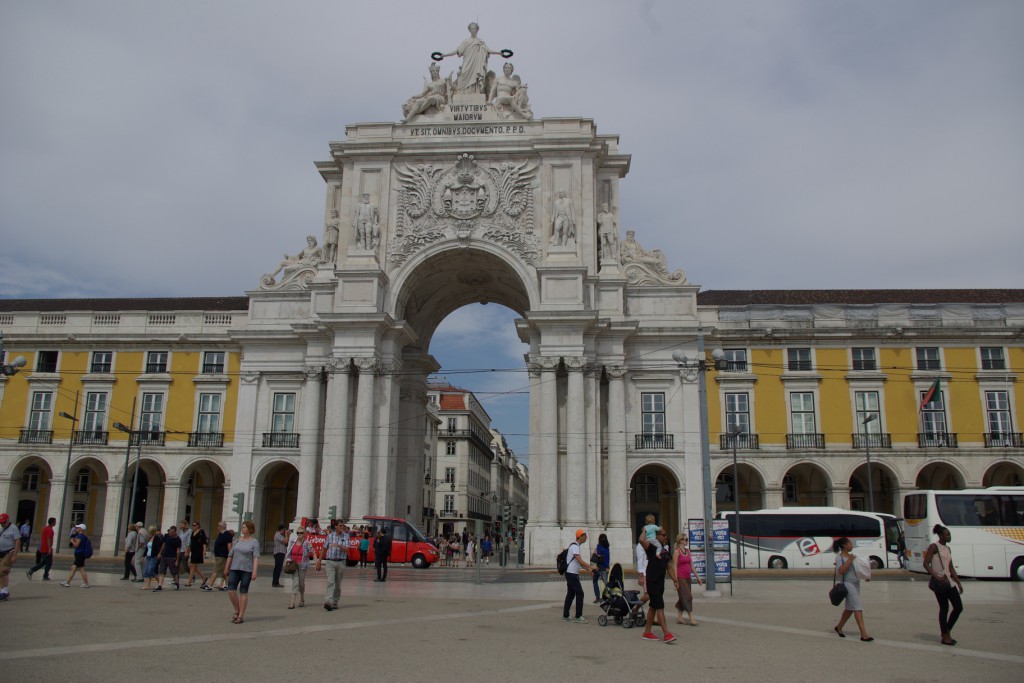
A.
x: 939, y: 476
x: 1003, y: 474
x: 884, y: 486
x: 806, y: 485
x: 654, y: 491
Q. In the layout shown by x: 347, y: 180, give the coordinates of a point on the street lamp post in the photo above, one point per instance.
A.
x: 734, y: 433
x: 701, y: 366
x: 67, y: 466
x: 867, y: 445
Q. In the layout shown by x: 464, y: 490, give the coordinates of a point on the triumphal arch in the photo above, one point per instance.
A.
x: 471, y: 198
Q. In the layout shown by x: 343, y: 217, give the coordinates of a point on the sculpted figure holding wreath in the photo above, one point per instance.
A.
x: 472, y: 78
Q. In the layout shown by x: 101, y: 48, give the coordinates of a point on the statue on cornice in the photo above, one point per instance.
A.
x: 509, y: 92
x: 331, y: 233
x: 472, y: 76
x: 292, y: 267
x: 646, y: 267
x: 607, y: 234
x: 435, y: 95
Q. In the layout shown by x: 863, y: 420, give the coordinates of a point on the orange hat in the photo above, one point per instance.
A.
x: 581, y: 532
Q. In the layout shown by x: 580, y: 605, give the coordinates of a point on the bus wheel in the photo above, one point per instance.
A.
x: 1017, y: 571
x: 777, y: 562
x: 876, y: 563
x: 420, y: 562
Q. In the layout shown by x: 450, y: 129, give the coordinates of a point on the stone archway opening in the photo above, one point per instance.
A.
x: 806, y: 485
x: 203, y: 495
x: 148, y: 494
x: 654, y: 491
x: 87, y: 501
x: 30, y: 487
x: 939, y: 476
x: 277, y: 489
x: 751, y: 489
x: 1003, y: 474
x: 884, y: 485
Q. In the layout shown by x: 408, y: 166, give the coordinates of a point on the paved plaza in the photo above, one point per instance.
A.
x: 440, y: 623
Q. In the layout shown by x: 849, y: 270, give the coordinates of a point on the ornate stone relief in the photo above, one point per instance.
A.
x: 544, y: 363
x: 368, y: 364
x: 296, y: 271
x: 249, y: 377
x: 339, y: 366
x: 466, y: 201
x: 576, y: 364
x: 615, y: 371
x: 642, y: 267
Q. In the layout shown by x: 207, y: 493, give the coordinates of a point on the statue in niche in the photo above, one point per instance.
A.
x: 509, y: 92
x: 563, y: 224
x: 435, y: 95
x: 472, y: 76
x: 331, y: 233
x: 308, y: 258
x: 367, y: 223
x: 607, y: 234
x: 632, y: 252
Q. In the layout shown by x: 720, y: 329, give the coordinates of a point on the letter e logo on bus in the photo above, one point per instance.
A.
x: 808, y: 546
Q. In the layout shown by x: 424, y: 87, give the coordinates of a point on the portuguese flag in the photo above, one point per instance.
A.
x: 930, y: 394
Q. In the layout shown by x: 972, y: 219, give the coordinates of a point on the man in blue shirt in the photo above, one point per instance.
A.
x: 335, y: 554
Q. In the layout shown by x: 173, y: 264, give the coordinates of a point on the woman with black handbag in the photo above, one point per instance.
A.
x: 938, y: 562
x: 844, y: 566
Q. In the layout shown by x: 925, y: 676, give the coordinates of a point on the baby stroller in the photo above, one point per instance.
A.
x: 622, y: 605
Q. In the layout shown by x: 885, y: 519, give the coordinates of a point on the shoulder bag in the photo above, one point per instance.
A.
x: 838, y: 592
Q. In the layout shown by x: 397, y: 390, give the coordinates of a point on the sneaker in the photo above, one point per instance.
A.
x: 65, y: 584
x: 158, y: 588
x: 669, y: 638
x: 566, y: 619
x: 580, y: 620
x: 28, y: 573
x: 4, y: 596
x: 222, y: 589
x: 650, y: 636
x: 85, y: 585
x: 206, y: 588
x: 47, y: 578
x: 327, y: 606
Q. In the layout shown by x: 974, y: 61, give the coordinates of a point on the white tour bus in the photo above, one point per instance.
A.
x: 801, y: 537
x: 986, y: 525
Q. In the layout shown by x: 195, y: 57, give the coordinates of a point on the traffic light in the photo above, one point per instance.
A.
x: 506, y: 511
x: 332, y: 512
x: 522, y: 522
x: 239, y: 505
x: 248, y: 516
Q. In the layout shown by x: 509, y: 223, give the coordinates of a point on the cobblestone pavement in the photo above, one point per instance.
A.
x: 425, y: 625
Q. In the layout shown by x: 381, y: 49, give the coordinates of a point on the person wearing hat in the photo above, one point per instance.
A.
x: 131, y: 541
x: 141, y: 544
x: 10, y: 539
x: 83, y: 551
x: 574, y: 589
x: 44, y: 556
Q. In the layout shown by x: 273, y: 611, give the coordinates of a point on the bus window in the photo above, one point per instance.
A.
x: 1013, y: 510
x: 967, y: 510
x: 915, y: 506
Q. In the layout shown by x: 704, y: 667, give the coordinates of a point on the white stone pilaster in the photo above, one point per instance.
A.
x: 546, y: 502
x: 576, y: 444
x: 364, y: 429
x: 171, y: 512
x: 618, y: 474
x: 334, y: 480
x: 241, y: 455
x: 386, y: 449
x: 110, y: 534
x: 310, y: 438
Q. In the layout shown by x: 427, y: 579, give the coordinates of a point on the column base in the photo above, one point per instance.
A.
x: 544, y: 541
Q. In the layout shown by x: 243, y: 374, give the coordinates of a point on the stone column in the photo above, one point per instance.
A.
x: 547, y: 483
x: 241, y: 455
x: 618, y: 473
x: 576, y: 444
x: 109, y: 536
x: 385, y: 450
x: 362, y: 446
x: 172, y: 504
x: 58, y: 492
x: 595, y: 481
x: 310, y: 438
x: 840, y: 497
x: 772, y: 496
x: 337, y: 441
x: 683, y: 523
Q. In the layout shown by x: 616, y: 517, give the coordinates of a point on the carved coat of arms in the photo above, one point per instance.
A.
x: 462, y: 201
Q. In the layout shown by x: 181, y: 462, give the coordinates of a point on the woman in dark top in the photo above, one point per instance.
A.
x: 658, y: 564
x: 197, y: 553
x: 602, y: 561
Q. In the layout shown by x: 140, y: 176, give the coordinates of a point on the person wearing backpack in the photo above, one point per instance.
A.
x: 83, y: 551
x: 574, y: 589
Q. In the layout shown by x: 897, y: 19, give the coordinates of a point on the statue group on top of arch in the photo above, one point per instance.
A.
x: 641, y: 266
x: 296, y: 271
x: 507, y: 92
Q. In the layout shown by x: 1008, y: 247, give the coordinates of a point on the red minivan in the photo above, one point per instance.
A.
x: 407, y: 542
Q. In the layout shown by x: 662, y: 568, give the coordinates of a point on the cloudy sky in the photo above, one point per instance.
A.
x: 167, y: 149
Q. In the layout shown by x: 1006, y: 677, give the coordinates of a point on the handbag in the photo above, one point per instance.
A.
x: 290, y: 565
x: 839, y: 591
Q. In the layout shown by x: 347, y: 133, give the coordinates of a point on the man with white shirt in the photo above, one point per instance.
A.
x: 574, y: 589
x: 185, y: 534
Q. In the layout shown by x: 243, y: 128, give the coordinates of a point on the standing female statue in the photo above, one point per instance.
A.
x: 472, y: 76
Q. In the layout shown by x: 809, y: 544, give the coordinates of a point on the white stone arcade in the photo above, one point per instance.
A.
x: 445, y: 210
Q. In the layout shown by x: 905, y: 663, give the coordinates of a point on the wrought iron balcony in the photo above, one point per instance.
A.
x: 280, y: 440
x: 1004, y: 440
x: 872, y: 440
x: 744, y: 442
x: 213, y: 368
x: 651, y: 442
x: 805, y: 441
x: 736, y: 366
x: 448, y: 514
x: 156, y: 368
x: 937, y: 440
x: 90, y: 438
x: 206, y: 440
x: 148, y: 438
x: 36, y: 436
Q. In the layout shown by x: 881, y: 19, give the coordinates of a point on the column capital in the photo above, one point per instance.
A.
x: 313, y: 372
x: 339, y: 366
x: 249, y: 377
x: 544, y: 363
x: 576, y: 364
x: 615, y: 371
x: 365, y: 364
